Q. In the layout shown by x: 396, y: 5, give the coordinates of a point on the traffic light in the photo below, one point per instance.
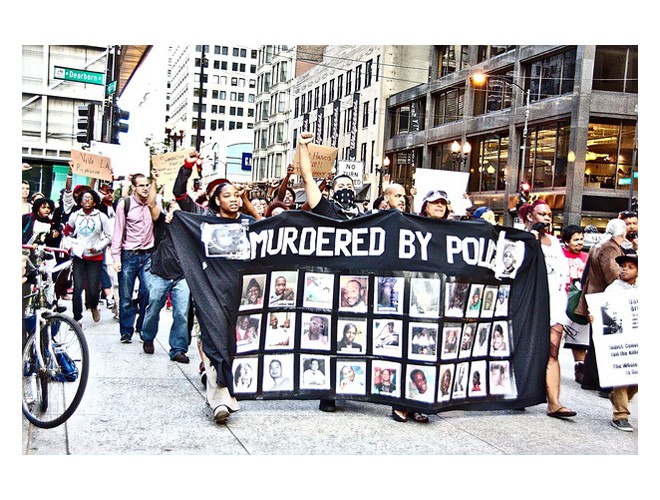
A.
x: 85, y: 124
x: 119, y: 124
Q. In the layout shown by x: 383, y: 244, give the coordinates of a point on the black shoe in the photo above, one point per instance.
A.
x: 604, y: 394
x: 327, y: 405
x: 126, y: 338
x: 148, y: 347
x: 180, y: 357
x: 622, y: 424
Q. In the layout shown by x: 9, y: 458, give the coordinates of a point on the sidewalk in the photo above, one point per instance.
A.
x: 139, y: 404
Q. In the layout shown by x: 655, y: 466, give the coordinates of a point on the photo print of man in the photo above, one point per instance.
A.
x: 351, y: 335
x: 500, y: 339
x: 248, y: 329
x: 315, y: 331
x: 283, y: 286
x: 351, y: 377
x: 245, y: 374
x: 499, y: 381
x: 490, y: 298
x: 387, y: 337
x: 474, y: 301
x: 446, y: 380
x: 509, y: 256
x: 461, y: 380
x: 502, y: 302
x: 420, y: 383
x: 456, y: 296
x: 314, y: 372
x: 280, y: 329
x: 478, y: 375
x: 611, y: 318
x: 353, y: 293
x: 423, y: 341
x: 318, y: 290
x: 467, y: 340
x: 482, y: 340
x: 225, y: 240
x: 451, y: 333
x: 278, y: 373
x: 385, y: 379
x: 252, y: 295
x: 425, y: 297
x: 389, y: 294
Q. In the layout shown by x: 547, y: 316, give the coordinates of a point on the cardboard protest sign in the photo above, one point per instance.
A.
x: 167, y: 165
x: 91, y: 165
x: 615, y: 331
x: 322, y: 158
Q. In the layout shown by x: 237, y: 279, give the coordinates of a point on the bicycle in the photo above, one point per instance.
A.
x: 55, y: 363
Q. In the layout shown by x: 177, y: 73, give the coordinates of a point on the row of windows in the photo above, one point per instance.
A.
x: 224, y: 51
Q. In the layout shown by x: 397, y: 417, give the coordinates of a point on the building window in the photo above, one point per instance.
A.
x: 488, y: 163
x: 368, y: 68
x: 324, y: 96
x: 340, y: 86
x: 608, y: 162
x: 331, y: 93
x: 495, y: 94
x: 449, y: 106
x: 348, y: 82
x: 283, y: 71
x: 552, y: 76
x: 547, y: 155
x: 451, y: 58
x: 375, y: 110
x: 365, y: 115
x: 615, y: 68
x: 223, y: 65
x: 295, y: 107
x: 309, y: 101
x: 358, y: 78
x: 234, y: 51
x: 316, y: 98
x: 487, y: 51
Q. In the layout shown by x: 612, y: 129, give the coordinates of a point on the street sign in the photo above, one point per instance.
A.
x: 110, y: 89
x: 78, y: 75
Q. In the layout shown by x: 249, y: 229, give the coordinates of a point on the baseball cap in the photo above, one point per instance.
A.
x: 479, y: 212
x: 628, y: 257
x: 435, y: 195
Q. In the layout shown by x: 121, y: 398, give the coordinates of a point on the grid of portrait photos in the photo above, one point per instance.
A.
x: 423, y: 337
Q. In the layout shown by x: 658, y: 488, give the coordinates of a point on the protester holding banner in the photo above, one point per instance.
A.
x: 435, y: 205
x: 537, y: 217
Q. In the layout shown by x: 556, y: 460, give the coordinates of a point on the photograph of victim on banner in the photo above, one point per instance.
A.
x: 389, y: 308
x: 615, y: 331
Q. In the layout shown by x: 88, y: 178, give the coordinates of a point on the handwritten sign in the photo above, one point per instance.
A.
x: 91, y: 165
x: 167, y: 165
x: 616, y: 336
x: 322, y: 158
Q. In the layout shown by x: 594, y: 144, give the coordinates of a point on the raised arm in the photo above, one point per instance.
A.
x: 312, y: 191
x: 281, y: 190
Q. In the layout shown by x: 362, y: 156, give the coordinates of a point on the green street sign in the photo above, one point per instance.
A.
x: 78, y: 75
x: 110, y: 89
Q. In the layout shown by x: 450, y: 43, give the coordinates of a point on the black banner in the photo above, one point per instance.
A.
x: 355, y: 117
x: 390, y: 308
x: 334, y: 132
x: 319, y: 126
x: 305, y: 123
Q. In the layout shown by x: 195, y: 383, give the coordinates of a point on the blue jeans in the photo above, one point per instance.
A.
x: 133, y: 266
x: 180, y: 297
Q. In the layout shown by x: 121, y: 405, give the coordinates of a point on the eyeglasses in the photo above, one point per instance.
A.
x: 316, y: 323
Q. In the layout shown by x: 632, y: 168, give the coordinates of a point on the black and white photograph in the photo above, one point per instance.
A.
x: 500, y: 339
x: 318, y: 290
x: 278, y: 373
x: 387, y: 337
x: 351, y: 377
x: 424, y: 297
x: 252, y: 293
x: 502, y: 302
x: 245, y: 372
x: 467, y: 340
x: 315, y: 331
x: 388, y: 295
x: 456, y: 296
x: 420, y: 383
x: 385, y: 378
x: 229, y: 241
x: 353, y: 293
x: 478, y: 375
x: 351, y: 335
x: 499, y: 381
x: 314, y: 372
x: 248, y: 330
x: 283, y: 286
x: 482, y: 340
x: 474, y: 301
x: 423, y: 341
x: 280, y: 330
x: 509, y: 257
x: 461, y: 380
x: 490, y: 298
x: 445, y: 382
x: 451, y: 334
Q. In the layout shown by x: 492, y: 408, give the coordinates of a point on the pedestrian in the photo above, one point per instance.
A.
x: 630, y: 245
x: 132, y: 244
x: 485, y: 214
x: 27, y: 206
x: 572, y: 238
x: 89, y: 233
x: 601, y: 271
x: 435, y: 205
x: 108, y: 275
x: 537, y: 217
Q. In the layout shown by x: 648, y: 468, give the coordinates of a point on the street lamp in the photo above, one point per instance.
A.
x: 382, y: 170
x: 480, y: 79
x: 460, y: 154
x: 173, y: 136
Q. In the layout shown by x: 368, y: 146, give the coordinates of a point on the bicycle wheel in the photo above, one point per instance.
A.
x: 51, y: 393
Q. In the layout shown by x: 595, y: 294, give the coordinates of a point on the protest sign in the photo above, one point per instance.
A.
x: 91, y: 165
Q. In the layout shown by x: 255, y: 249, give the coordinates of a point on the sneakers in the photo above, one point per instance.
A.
x: 180, y: 357
x: 126, y: 338
x: 148, y: 347
x: 622, y: 424
x: 96, y: 314
x: 110, y: 302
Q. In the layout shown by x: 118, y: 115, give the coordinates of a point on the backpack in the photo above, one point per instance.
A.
x: 574, y: 293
